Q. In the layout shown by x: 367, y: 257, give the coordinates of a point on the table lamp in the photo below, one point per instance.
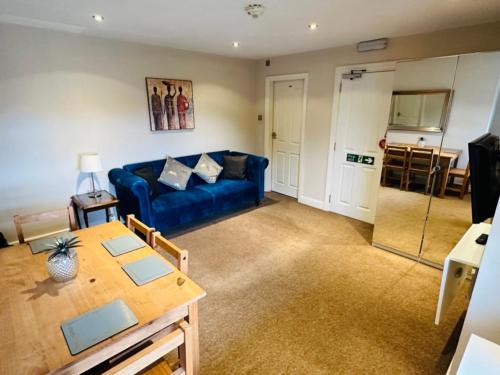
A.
x: 90, y: 162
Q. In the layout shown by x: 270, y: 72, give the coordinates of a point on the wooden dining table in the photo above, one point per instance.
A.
x: 448, y: 159
x: 33, y: 306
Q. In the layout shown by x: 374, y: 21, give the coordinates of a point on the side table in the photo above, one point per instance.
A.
x: 105, y: 202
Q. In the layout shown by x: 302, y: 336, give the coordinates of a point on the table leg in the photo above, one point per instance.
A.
x: 77, y: 215
x: 186, y: 350
x: 117, y: 213
x: 86, y: 218
x: 193, y: 322
x: 107, y: 214
x: 444, y: 181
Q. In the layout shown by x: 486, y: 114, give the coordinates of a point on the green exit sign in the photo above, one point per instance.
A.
x: 362, y: 159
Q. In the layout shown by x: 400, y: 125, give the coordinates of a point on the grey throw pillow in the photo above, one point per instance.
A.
x: 207, y: 169
x: 175, y: 174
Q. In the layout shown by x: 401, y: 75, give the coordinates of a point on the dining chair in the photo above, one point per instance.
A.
x: 151, y: 360
x: 162, y: 246
x: 395, y: 159
x: 420, y: 163
x: 136, y: 225
x: 463, y: 187
x: 181, y: 256
x: 20, y: 220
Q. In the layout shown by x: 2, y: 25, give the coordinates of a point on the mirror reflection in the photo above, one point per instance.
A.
x: 409, y: 176
x: 423, y: 111
x: 424, y: 204
x: 471, y: 115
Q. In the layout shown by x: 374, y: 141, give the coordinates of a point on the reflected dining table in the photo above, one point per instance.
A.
x: 33, y: 306
x: 448, y: 159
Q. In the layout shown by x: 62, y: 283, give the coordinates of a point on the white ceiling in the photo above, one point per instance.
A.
x: 212, y: 25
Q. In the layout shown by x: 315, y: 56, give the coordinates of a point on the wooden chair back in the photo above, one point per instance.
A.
x: 395, y: 156
x: 464, y: 174
x: 181, y: 256
x: 20, y: 220
x: 467, y: 170
x: 421, y: 160
x: 136, y: 225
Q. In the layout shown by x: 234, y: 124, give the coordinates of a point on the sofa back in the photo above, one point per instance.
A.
x: 189, y: 161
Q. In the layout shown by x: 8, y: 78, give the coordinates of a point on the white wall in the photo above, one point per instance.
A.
x: 474, y: 92
x: 62, y: 94
x: 483, y: 314
x: 495, y: 116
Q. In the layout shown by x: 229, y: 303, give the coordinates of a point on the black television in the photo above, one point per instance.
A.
x: 484, y: 176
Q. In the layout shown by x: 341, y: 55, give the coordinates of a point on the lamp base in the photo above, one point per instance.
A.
x: 95, y: 194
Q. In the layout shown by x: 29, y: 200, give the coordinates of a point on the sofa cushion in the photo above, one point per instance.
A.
x: 148, y: 174
x: 175, y: 174
x: 207, y: 169
x: 229, y: 193
x: 235, y: 166
x: 181, y: 207
x: 189, y: 161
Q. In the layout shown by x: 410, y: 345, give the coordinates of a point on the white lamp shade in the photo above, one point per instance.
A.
x: 90, y: 162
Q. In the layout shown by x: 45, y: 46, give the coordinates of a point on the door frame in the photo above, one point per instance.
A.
x: 268, y: 144
x: 374, y: 67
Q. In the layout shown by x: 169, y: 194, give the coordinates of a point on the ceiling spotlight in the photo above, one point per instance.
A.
x: 313, y: 26
x: 254, y: 10
x: 98, y: 17
x: 236, y: 44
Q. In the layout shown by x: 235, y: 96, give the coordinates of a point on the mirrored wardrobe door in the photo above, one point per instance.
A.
x: 422, y: 90
x: 475, y: 92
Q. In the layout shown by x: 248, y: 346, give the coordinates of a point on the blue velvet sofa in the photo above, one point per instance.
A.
x: 172, y: 208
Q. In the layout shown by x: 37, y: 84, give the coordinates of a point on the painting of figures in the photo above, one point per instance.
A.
x: 170, y: 104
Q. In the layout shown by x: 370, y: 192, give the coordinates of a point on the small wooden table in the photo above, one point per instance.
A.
x: 87, y: 204
x: 33, y: 306
x: 448, y: 159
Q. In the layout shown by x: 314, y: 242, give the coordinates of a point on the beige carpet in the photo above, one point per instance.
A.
x: 295, y: 290
x: 400, y: 222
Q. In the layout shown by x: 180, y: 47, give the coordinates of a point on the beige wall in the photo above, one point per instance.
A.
x: 62, y: 94
x: 321, y: 67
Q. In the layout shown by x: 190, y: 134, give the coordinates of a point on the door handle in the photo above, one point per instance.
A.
x: 274, y: 135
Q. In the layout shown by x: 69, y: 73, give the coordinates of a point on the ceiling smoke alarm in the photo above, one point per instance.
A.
x: 254, y: 10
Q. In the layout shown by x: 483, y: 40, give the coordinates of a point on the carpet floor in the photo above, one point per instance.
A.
x: 400, y: 220
x: 296, y: 290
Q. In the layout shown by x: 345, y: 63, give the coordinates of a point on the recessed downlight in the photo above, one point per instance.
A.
x: 236, y: 44
x: 313, y: 26
x: 98, y: 17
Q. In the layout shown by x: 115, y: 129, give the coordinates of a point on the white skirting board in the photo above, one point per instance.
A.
x: 316, y: 203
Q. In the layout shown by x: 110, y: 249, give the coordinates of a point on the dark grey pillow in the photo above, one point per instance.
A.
x: 148, y: 174
x: 235, y: 167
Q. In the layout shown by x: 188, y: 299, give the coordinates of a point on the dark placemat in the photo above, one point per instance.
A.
x: 40, y: 245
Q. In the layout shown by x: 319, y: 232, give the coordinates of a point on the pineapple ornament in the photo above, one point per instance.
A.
x: 62, y: 263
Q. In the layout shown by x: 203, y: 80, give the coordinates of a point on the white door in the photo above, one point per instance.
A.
x: 363, y: 114
x: 287, y: 118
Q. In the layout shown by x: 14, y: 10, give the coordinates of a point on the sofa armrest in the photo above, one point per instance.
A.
x: 134, y: 195
x: 256, y: 166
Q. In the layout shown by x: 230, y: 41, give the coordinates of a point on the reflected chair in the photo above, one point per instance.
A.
x: 20, y: 220
x: 181, y: 256
x: 420, y: 163
x: 138, y: 226
x: 395, y: 159
x: 463, y: 187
